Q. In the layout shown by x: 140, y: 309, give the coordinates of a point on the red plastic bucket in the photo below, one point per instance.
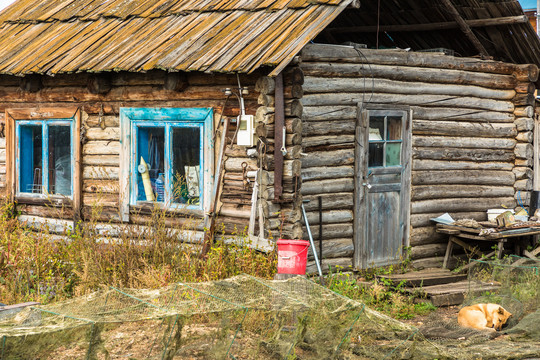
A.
x: 292, y: 256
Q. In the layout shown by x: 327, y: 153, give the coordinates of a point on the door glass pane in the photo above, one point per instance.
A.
x: 394, y: 128
x: 150, y: 164
x: 376, y: 128
x: 30, y: 146
x: 60, y: 160
x: 187, y: 184
x: 393, y: 154
x: 376, y: 154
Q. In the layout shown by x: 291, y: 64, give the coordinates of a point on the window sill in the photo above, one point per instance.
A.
x: 147, y: 207
x: 52, y: 201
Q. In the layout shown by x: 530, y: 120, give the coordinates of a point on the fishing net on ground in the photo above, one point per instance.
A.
x: 238, y: 318
x: 242, y: 318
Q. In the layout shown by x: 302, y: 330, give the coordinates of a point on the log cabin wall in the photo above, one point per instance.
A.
x: 472, y: 123
x: 100, y: 136
x: 282, y: 216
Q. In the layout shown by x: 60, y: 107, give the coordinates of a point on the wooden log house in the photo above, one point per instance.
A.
x: 378, y: 134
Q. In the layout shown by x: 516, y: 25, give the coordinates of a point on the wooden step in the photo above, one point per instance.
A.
x: 426, y: 277
x: 454, y: 293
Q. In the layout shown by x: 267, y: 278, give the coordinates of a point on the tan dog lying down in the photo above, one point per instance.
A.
x: 483, y: 317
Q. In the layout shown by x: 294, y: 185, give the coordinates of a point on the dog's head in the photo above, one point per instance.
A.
x: 500, y: 316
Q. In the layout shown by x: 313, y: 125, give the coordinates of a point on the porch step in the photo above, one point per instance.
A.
x: 425, y: 277
x: 452, y: 293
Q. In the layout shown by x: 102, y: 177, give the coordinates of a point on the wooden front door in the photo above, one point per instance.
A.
x: 382, y: 186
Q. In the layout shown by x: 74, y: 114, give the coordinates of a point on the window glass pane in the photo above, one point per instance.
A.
x: 150, y: 151
x: 60, y: 160
x: 393, y: 154
x: 394, y: 128
x: 375, y: 154
x: 30, y: 143
x: 376, y: 128
x: 187, y: 184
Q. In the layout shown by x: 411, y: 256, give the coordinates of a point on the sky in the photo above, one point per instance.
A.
x: 4, y: 3
x: 526, y: 4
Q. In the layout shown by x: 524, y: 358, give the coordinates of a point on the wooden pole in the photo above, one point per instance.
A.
x: 465, y: 28
x: 507, y: 20
x: 278, y: 137
x: 210, y: 217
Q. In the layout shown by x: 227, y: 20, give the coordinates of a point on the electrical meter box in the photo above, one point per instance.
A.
x: 246, y: 130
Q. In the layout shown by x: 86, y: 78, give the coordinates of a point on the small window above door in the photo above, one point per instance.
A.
x: 385, y: 138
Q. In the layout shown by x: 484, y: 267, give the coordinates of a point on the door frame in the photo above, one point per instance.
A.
x: 361, y: 173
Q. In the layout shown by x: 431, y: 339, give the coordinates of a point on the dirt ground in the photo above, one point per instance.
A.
x: 445, y: 313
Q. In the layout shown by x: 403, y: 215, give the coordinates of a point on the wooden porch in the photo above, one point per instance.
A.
x: 441, y: 286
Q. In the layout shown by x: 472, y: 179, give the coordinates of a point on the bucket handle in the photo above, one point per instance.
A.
x: 297, y: 254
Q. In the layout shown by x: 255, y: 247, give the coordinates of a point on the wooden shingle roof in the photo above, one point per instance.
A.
x: 66, y: 36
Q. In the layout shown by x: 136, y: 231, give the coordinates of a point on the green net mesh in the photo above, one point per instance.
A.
x: 238, y: 318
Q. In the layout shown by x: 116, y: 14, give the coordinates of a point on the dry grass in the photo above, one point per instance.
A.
x: 37, y: 266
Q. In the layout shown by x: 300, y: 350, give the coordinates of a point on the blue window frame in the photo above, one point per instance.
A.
x: 168, y: 161
x: 45, y: 160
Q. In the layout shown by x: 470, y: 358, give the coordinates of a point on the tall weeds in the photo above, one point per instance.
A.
x: 36, y: 265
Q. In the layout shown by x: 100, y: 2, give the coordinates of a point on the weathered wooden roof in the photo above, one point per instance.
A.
x: 501, y: 29
x: 65, y: 36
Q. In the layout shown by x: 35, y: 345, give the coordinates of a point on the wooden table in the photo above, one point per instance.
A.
x: 457, y: 235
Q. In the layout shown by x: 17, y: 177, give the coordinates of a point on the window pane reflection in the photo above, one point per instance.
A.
x: 60, y: 160
x: 394, y: 128
x: 376, y: 154
x: 393, y: 154
x: 187, y: 185
x: 30, y: 145
x: 150, y: 151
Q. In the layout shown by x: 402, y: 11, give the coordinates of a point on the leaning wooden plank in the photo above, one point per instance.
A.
x: 253, y: 242
x: 533, y: 253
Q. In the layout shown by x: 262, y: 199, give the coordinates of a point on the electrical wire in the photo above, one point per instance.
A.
x: 520, y: 202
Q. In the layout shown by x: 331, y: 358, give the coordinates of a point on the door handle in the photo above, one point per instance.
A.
x: 368, y: 185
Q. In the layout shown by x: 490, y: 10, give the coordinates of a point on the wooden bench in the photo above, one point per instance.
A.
x: 457, y: 235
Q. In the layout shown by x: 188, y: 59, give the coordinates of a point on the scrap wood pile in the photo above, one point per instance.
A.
x: 505, y: 224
